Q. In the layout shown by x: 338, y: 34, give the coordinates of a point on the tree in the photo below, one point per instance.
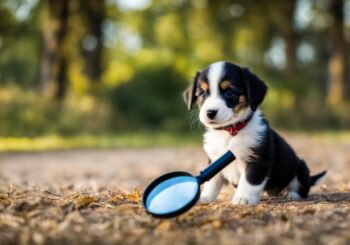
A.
x: 94, y: 12
x: 54, y: 62
x: 338, y: 61
x: 289, y: 35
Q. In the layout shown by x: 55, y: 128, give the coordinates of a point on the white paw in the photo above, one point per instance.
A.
x: 238, y: 200
x: 206, y: 199
x: 292, y: 195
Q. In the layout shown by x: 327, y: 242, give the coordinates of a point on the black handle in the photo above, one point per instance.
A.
x: 215, y: 167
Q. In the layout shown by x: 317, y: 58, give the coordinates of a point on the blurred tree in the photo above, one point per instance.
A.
x: 287, y: 28
x: 54, y: 62
x: 338, y: 65
x: 147, y: 49
x: 94, y: 13
x: 7, y: 25
x: 8, y: 21
x: 156, y: 98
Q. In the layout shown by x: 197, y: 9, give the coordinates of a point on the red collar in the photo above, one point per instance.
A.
x: 233, y: 129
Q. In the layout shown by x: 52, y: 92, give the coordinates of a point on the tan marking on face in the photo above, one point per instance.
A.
x: 203, y: 85
x: 242, y: 103
x: 225, y: 85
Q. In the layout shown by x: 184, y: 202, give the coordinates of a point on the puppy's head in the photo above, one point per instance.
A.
x: 225, y: 94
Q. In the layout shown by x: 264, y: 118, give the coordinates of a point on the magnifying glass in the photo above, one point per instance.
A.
x: 176, y: 192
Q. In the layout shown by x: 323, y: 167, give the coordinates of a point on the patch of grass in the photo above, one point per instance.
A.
x: 133, y: 140
x: 329, y: 135
x: 343, y: 136
x: 125, y: 140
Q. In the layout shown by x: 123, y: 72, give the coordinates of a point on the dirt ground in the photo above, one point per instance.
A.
x: 93, y: 197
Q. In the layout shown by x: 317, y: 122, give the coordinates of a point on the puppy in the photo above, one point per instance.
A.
x: 228, y: 97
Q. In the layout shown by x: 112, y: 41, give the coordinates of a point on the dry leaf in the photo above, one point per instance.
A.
x: 65, y: 214
x: 164, y: 226
x: 83, y: 201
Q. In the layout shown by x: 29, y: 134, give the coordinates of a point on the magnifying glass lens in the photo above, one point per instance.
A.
x: 171, y: 195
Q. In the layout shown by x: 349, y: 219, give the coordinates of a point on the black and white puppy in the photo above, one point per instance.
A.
x: 228, y: 97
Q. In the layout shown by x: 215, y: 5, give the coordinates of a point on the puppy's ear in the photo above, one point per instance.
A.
x: 190, y: 93
x: 256, y: 88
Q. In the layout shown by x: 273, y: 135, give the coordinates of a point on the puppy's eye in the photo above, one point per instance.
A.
x: 228, y: 94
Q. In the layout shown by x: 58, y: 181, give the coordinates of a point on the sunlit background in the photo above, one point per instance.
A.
x: 75, y: 68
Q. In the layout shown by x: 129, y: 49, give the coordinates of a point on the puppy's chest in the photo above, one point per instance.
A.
x: 216, y: 143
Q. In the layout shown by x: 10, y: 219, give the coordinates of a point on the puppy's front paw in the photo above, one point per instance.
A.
x: 238, y: 200
x: 206, y: 199
x: 292, y: 195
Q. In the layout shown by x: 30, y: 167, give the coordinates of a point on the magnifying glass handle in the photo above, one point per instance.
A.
x: 216, y: 167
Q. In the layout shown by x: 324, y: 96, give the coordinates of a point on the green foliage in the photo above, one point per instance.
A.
x: 24, y: 113
x: 149, y: 56
x: 153, y: 94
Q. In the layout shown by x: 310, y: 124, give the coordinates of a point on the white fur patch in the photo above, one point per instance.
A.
x: 214, y: 101
x: 215, y: 74
x: 211, y: 189
x: 294, y: 185
x: 224, y: 114
x: 246, y: 193
x: 217, y: 142
x: 293, y: 189
x: 293, y: 195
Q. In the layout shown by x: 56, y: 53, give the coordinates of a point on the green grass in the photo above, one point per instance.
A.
x: 328, y: 135
x: 132, y: 140
x: 126, y: 140
x: 342, y: 136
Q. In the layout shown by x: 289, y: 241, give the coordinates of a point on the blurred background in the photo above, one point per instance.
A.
x: 74, y: 68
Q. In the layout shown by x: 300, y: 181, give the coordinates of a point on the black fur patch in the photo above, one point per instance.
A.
x: 276, y: 160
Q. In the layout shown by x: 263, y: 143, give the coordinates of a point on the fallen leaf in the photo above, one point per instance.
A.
x: 83, y: 201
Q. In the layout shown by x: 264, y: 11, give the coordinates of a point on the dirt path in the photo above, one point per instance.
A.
x: 89, y: 196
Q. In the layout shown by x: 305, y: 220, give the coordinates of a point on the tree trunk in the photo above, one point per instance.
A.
x: 289, y: 36
x: 61, y: 86
x: 53, y: 67
x: 337, y: 66
x: 95, y: 14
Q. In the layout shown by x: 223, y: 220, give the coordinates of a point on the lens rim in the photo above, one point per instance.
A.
x: 162, y: 178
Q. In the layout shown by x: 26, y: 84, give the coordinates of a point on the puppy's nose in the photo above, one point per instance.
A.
x: 211, y: 113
